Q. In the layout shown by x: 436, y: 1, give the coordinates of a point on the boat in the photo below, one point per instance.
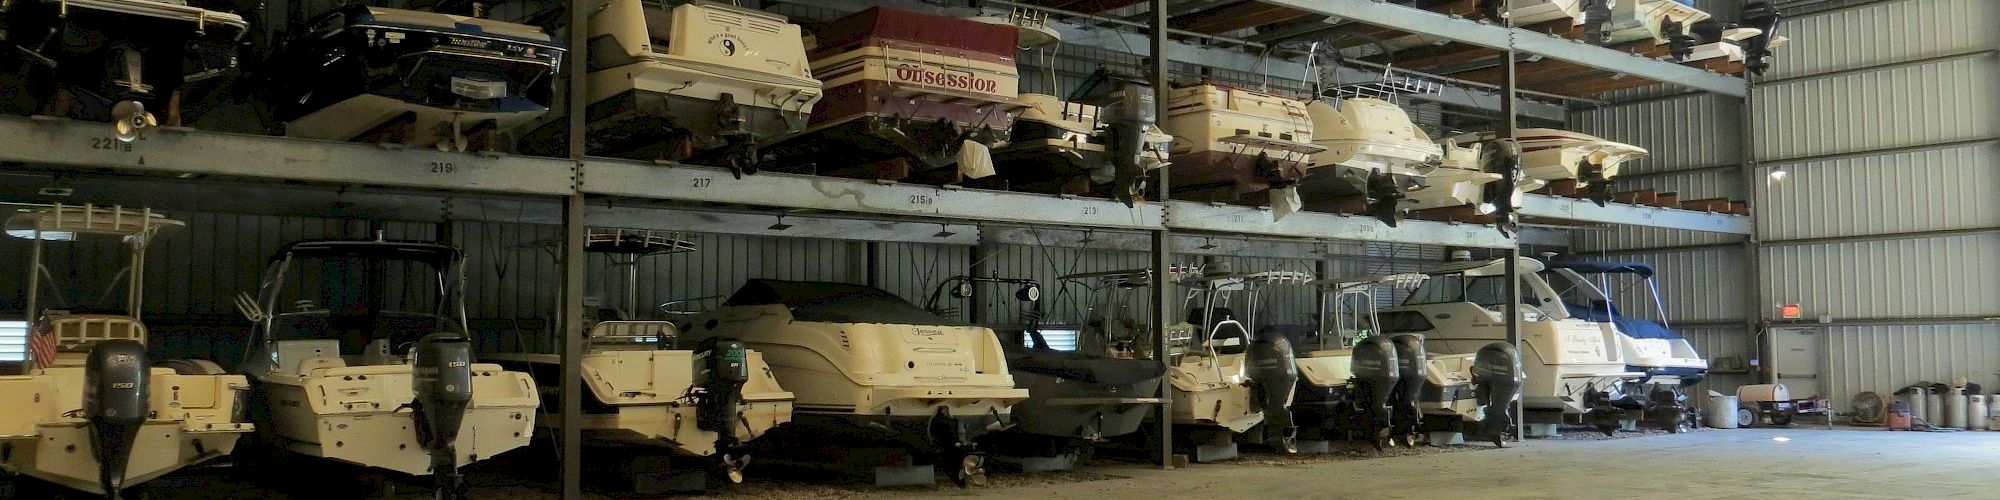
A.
x: 1549, y: 155
x: 1374, y: 152
x: 412, y: 78
x: 1667, y: 22
x: 908, y: 96
x: 1230, y: 384
x: 699, y: 82
x: 119, y: 61
x: 1078, y: 396
x: 1669, y: 363
x: 88, y: 412
x: 1231, y: 143
x: 871, y: 371
x: 387, y: 383
x: 1573, y: 368
x: 1764, y: 18
x: 1461, y: 178
x: 1100, y: 141
x: 652, y: 395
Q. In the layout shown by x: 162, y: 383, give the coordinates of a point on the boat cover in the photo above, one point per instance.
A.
x: 1635, y: 328
x: 1081, y: 367
x: 824, y: 302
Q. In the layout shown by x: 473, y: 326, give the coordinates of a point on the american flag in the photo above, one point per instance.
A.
x: 42, y: 345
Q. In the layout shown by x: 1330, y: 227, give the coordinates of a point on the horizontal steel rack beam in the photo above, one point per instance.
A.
x: 1204, y: 217
x: 1575, y: 209
x: 1428, y: 23
x: 186, y: 152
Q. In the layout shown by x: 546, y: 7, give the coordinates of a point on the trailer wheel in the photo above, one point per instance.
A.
x: 1746, y: 417
x: 1782, y: 418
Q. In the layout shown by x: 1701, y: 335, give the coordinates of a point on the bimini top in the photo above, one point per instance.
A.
x: 434, y: 254
x: 65, y: 222
x: 824, y: 302
x: 1643, y: 270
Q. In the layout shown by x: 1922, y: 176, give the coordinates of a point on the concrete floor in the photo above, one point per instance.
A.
x: 1714, y: 464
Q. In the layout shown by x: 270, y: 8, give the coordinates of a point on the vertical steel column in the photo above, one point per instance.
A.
x: 1509, y: 95
x: 1753, y: 247
x: 570, y: 324
x: 1162, y: 241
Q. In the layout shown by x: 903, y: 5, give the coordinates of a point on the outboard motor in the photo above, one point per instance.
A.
x: 947, y: 435
x: 1375, y: 373
x: 1496, y: 383
x: 1385, y: 197
x: 1128, y: 120
x: 1757, y: 49
x: 1666, y: 407
x: 723, y: 367
x: 1500, y: 194
x: 1597, y: 21
x: 1275, y: 373
x: 114, y: 402
x: 1412, y: 369
x: 443, y: 388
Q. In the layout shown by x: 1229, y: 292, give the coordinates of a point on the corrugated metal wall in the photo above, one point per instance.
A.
x: 1908, y: 191
x: 1886, y: 358
x: 1688, y: 285
x: 1686, y: 135
x: 1862, y: 120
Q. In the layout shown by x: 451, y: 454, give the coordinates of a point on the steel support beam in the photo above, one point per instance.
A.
x: 1558, y: 207
x: 1203, y: 217
x: 704, y: 184
x: 1163, y: 287
x: 763, y: 224
x: 189, y: 153
x: 572, y: 273
x: 1483, y: 34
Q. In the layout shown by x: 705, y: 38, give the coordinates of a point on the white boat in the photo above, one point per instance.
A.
x: 1460, y: 179
x: 1548, y: 155
x: 385, y: 381
x: 870, y: 370
x: 1232, y: 143
x: 698, y: 82
x: 414, y: 78
x: 1071, y: 147
x: 88, y: 412
x: 1571, y: 365
x: 1373, y: 149
x: 82, y: 58
x: 1667, y: 22
x: 1668, y: 361
x: 696, y: 403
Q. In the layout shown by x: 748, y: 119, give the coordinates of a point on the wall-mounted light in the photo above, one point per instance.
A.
x: 780, y: 226
x: 1778, y: 175
x: 944, y: 231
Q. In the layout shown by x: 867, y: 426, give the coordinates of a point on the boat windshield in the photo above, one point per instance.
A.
x: 360, y: 299
x: 1487, y: 291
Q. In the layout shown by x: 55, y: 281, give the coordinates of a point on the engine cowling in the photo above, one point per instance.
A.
x: 1496, y: 382
x: 724, y: 366
x: 443, y: 388
x: 1274, y: 371
x: 1375, y: 375
x: 114, y: 402
x: 1412, y: 369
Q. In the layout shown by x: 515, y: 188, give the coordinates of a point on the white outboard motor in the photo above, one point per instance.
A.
x: 1375, y: 373
x: 443, y: 388
x: 1496, y: 383
x: 1275, y: 372
x: 114, y: 402
x: 1412, y: 368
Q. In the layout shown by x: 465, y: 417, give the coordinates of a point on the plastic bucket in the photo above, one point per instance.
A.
x: 1722, y: 411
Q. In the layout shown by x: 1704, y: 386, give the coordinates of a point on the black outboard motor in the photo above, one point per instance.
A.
x: 1375, y: 373
x: 1757, y: 49
x: 114, y: 401
x: 1275, y: 374
x: 1496, y: 383
x: 1385, y: 196
x: 1412, y: 369
x: 443, y: 387
x: 723, y: 366
x: 1666, y: 407
x: 1597, y: 21
x: 1499, y: 158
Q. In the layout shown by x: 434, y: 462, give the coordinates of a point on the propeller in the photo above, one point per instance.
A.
x: 131, y: 120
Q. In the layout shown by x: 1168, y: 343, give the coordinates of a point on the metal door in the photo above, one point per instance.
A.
x: 1797, y: 358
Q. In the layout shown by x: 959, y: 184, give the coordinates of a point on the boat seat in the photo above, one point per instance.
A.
x: 1229, y: 337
